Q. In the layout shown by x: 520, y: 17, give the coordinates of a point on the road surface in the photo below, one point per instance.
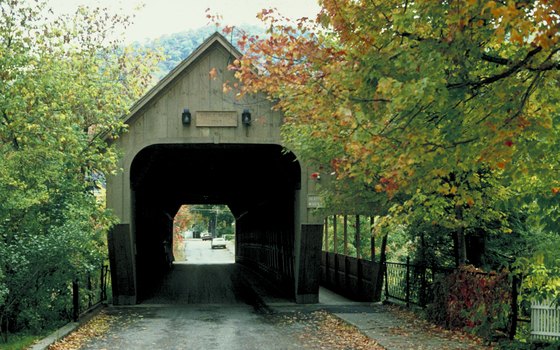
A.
x: 198, y: 251
x: 206, y: 303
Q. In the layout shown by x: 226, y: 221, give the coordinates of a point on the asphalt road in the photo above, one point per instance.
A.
x: 206, y: 303
x: 199, y: 252
x: 235, y: 327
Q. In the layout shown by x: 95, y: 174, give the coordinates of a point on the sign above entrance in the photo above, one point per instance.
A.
x: 315, y: 201
x: 216, y: 119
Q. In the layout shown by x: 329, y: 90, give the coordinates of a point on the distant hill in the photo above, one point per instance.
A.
x: 178, y: 46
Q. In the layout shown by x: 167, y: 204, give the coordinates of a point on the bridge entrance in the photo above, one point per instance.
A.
x: 189, y: 141
x: 257, y: 182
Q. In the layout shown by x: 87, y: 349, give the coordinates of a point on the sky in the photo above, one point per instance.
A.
x: 158, y: 17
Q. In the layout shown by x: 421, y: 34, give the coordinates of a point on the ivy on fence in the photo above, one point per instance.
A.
x: 475, y: 301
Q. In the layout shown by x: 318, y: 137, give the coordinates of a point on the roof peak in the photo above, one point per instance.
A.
x: 216, y: 37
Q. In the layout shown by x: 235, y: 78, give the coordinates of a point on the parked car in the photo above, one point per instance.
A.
x: 218, y: 242
x: 206, y: 236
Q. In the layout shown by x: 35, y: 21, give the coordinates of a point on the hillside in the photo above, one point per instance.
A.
x: 178, y: 46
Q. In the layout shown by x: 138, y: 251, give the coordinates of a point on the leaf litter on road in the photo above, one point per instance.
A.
x: 412, y: 321
x: 96, y: 327
x: 323, y: 330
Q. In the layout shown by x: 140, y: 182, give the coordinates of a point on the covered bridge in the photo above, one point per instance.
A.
x: 189, y: 142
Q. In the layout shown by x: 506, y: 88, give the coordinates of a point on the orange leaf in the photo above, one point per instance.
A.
x: 213, y: 73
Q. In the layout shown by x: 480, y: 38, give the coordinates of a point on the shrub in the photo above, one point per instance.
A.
x: 472, y: 300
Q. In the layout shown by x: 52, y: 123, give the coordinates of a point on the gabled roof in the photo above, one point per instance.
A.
x: 170, y: 77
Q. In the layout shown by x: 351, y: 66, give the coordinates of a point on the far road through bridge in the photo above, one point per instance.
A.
x: 189, y: 142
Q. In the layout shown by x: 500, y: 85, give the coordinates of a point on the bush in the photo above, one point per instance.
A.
x: 472, y: 300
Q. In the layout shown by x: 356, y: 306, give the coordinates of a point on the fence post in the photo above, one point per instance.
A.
x: 423, y: 285
x: 358, y: 237
x: 75, y: 300
x: 382, y: 271
x: 386, y: 273
x: 407, y: 281
x: 335, y: 243
x: 372, y: 245
x: 89, y: 290
x: 326, y: 233
x: 102, y: 283
x: 514, y: 310
x: 335, y: 239
x: 345, y: 234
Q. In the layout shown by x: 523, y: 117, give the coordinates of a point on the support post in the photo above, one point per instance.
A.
x: 382, y: 273
x: 372, y: 245
x: 335, y: 249
x: 326, y: 248
x: 90, y: 289
x: 103, y: 283
x: 358, y: 238
x: 335, y: 239
x: 386, y: 273
x: 345, y: 234
x: 309, y: 264
x: 123, y: 269
x: 407, y: 297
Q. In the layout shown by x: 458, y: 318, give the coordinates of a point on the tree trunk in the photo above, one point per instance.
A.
x: 4, y: 331
x: 476, y: 248
x: 460, y: 242
x: 381, y: 270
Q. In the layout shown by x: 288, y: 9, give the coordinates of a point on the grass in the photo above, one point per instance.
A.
x: 19, y: 341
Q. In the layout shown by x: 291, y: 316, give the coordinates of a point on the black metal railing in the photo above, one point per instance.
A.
x: 89, y: 291
x: 410, y: 283
x: 413, y: 284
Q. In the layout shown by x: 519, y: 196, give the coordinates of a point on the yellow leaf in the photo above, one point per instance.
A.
x: 489, y: 5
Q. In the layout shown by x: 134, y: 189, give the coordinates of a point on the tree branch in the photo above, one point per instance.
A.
x: 547, y: 65
x: 367, y: 100
x: 497, y: 60
x: 492, y: 79
x: 451, y: 145
x: 525, y: 98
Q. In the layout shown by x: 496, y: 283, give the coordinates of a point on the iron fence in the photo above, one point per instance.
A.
x: 89, y: 290
x: 413, y: 284
x: 410, y: 283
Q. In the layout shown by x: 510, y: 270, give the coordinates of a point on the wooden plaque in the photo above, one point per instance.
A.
x: 216, y: 119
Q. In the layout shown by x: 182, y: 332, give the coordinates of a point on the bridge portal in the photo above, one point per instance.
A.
x: 189, y: 142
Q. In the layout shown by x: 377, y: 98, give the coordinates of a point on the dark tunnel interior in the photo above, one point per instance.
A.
x: 257, y: 182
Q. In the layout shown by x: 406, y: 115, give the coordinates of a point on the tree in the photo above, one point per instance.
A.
x: 183, y: 220
x: 216, y: 219
x: 448, y: 109
x: 65, y: 84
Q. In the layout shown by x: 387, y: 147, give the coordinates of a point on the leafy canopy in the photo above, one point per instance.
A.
x: 65, y: 83
x: 446, y: 109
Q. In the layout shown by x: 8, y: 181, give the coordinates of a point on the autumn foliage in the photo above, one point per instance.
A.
x: 443, y: 112
x: 474, y: 301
